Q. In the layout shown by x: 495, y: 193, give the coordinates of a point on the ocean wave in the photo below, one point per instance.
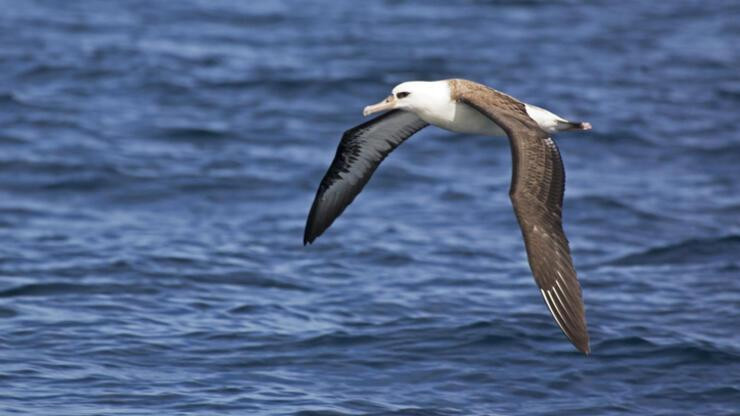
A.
x: 63, y: 288
x: 193, y: 133
x: 692, y: 251
x: 666, y: 355
x: 605, y: 204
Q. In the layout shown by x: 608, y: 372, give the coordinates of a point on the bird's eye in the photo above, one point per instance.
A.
x: 402, y: 94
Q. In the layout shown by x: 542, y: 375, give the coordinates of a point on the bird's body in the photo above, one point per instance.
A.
x: 538, y: 178
x: 433, y: 105
x: 432, y: 102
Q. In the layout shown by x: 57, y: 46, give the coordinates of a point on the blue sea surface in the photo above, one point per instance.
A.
x: 158, y: 161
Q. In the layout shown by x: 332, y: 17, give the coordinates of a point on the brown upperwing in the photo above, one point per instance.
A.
x: 537, y: 187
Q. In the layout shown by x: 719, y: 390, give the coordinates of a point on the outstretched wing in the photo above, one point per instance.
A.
x: 537, y: 187
x: 537, y: 195
x: 360, y: 151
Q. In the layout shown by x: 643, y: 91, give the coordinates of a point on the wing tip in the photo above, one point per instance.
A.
x: 314, y: 228
x: 310, y: 231
x: 580, y: 340
x: 308, y: 236
x: 582, y: 346
x: 576, y: 332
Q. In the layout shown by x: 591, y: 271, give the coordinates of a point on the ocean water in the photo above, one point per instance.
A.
x: 158, y: 160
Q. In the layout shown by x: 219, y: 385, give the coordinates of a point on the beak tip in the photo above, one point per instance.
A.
x: 387, y: 104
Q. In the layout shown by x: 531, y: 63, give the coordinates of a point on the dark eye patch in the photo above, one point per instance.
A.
x: 402, y: 94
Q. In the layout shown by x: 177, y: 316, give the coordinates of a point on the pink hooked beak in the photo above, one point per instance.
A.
x: 386, y: 104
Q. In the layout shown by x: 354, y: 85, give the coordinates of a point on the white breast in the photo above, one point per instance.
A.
x: 469, y: 120
x: 450, y: 115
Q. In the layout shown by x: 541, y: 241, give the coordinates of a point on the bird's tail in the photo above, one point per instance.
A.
x: 573, y: 125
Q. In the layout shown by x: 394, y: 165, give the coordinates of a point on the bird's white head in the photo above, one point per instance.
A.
x: 417, y: 96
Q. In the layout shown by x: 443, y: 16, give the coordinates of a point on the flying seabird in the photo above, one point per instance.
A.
x: 537, y: 183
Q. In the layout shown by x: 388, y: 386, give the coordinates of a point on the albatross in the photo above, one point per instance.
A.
x: 537, y: 182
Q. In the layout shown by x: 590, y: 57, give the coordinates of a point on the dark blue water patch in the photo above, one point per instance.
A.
x: 7, y: 313
x: 61, y: 289
x: 694, y: 251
